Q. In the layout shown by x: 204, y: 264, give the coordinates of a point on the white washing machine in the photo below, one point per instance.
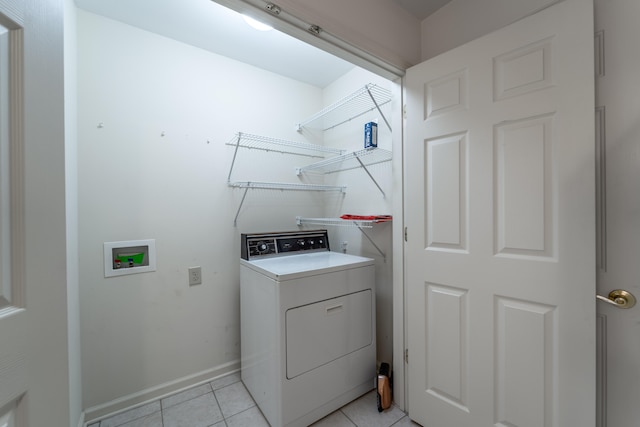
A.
x: 307, y: 325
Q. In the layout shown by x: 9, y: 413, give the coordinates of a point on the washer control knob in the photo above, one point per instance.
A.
x: 262, y: 247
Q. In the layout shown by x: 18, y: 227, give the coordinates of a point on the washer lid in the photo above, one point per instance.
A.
x: 306, y: 264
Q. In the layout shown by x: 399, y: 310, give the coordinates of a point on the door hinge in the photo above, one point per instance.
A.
x: 405, y: 234
x: 404, y: 111
x: 406, y: 355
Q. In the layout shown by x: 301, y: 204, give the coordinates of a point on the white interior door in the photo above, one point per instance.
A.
x: 501, y: 240
x: 618, y: 142
x: 34, y: 380
x: 13, y: 317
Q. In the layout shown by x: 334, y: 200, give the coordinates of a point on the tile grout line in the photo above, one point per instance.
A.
x: 99, y: 422
x: 403, y: 417
x: 347, y: 417
x: 137, y: 418
x: 255, y: 405
x: 245, y: 410
x: 224, y: 419
x: 187, y: 400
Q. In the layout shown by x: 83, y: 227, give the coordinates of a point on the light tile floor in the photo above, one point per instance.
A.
x: 225, y: 402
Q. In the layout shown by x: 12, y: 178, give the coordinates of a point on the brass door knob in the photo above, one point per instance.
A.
x: 619, y: 298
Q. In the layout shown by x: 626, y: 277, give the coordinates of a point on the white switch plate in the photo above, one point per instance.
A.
x: 195, y: 276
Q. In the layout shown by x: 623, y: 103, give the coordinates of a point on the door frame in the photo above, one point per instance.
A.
x: 297, y: 28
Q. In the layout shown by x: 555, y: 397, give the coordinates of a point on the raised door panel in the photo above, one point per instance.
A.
x: 524, y: 350
x: 447, y: 347
x: 524, y: 220
x: 446, y: 193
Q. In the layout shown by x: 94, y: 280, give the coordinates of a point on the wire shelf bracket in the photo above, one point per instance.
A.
x: 247, y: 185
x: 339, y: 222
x: 356, y: 159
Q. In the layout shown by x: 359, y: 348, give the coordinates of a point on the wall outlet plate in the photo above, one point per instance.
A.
x: 195, y: 276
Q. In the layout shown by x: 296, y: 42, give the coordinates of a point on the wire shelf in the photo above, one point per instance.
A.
x: 356, y: 159
x: 339, y: 222
x: 286, y: 186
x: 336, y: 222
x: 358, y: 103
x: 265, y: 143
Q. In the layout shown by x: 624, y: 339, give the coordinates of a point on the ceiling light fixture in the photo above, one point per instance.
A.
x: 256, y: 24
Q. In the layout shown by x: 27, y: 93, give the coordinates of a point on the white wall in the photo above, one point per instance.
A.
x: 149, y: 333
x: 461, y: 21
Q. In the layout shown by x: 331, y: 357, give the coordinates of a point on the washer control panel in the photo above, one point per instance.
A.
x: 257, y: 245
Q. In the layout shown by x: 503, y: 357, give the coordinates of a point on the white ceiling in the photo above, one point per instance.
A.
x: 210, y: 26
x: 421, y: 8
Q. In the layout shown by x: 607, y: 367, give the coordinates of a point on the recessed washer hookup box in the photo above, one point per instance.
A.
x: 370, y: 135
x: 129, y: 257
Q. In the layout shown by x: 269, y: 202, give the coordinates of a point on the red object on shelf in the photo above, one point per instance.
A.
x: 374, y: 218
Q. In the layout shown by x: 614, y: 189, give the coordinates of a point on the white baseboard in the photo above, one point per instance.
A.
x: 143, y: 397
